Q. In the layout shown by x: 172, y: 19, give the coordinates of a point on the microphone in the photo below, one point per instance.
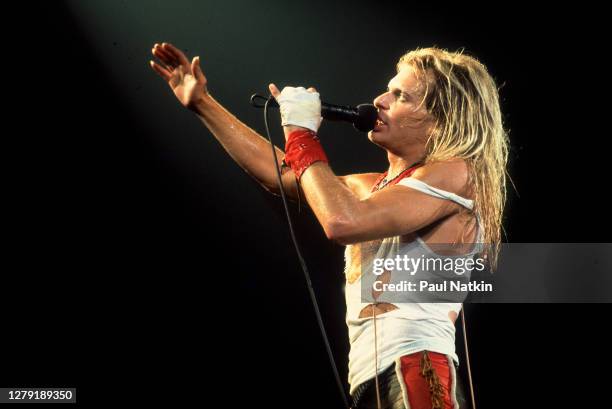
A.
x: 363, y: 116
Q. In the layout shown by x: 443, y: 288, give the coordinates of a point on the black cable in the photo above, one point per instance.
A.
x: 467, y: 358
x: 313, y: 297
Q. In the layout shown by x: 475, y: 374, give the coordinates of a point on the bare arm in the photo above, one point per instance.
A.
x: 249, y: 149
x: 397, y: 210
x: 349, y: 217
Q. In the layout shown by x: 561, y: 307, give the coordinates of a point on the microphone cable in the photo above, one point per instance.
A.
x: 311, y: 292
x: 467, y: 358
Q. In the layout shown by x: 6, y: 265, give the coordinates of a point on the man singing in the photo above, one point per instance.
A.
x: 440, y: 123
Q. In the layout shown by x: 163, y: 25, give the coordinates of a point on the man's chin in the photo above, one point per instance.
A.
x: 376, y: 138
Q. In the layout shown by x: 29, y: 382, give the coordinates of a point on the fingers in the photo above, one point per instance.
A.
x: 158, y: 50
x: 197, y: 70
x: 274, y: 90
x: 163, y: 72
x: 169, y: 60
x: 176, y: 53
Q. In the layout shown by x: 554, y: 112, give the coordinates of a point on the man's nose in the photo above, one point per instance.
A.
x: 381, y: 101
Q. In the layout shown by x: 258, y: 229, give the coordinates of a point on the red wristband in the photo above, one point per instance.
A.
x: 302, y: 149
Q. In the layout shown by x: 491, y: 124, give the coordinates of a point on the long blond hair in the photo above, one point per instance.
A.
x: 463, y: 100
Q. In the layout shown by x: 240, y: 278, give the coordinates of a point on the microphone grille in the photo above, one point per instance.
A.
x: 367, y: 114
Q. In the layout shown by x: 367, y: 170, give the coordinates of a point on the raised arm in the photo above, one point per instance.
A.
x: 249, y: 149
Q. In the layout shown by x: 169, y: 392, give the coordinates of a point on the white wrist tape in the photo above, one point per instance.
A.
x: 300, y: 107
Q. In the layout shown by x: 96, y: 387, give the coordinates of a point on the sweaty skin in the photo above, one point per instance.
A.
x: 343, y: 205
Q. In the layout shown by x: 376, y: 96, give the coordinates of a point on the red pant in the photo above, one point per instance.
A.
x: 427, y: 378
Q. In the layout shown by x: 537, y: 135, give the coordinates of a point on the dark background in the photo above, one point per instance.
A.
x: 142, y: 264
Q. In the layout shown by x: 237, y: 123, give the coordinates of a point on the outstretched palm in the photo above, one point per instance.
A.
x: 186, y: 79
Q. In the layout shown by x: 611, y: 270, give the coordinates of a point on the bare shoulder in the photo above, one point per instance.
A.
x: 451, y: 175
x: 360, y: 183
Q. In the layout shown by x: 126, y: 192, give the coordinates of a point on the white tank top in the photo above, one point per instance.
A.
x: 410, y: 328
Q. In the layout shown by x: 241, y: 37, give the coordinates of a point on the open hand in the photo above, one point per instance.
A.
x: 185, y: 78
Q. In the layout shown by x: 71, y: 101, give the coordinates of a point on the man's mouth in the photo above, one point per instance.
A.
x: 379, y: 124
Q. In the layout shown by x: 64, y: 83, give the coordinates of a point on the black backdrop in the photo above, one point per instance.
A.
x: 141, y: 264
